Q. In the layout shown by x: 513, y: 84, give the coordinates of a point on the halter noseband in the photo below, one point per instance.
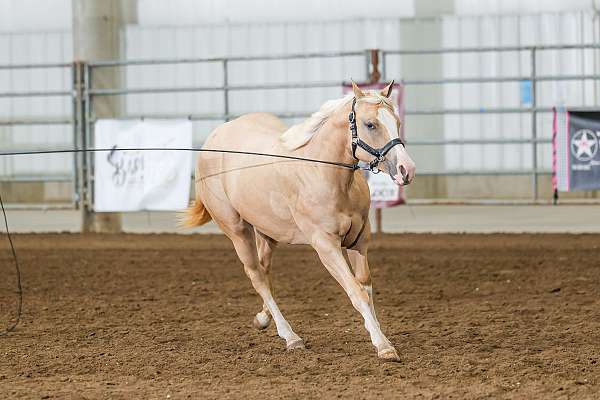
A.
x: 379, y: 153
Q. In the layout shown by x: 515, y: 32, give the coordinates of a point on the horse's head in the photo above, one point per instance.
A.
x: 377, y: 125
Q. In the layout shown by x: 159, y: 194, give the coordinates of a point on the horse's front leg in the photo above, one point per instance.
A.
x: 330, y: 252
x: 362, y: 273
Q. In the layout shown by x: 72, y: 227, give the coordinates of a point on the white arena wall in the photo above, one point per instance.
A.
x: 464, y: 31
x: 152, y: 40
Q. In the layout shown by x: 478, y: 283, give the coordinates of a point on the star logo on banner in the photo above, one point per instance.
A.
x: 584, y: 145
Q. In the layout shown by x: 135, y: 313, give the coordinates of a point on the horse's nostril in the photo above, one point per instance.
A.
x: 403, y: 172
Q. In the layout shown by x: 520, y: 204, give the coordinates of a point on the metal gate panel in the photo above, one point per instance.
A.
x: 36, y: 106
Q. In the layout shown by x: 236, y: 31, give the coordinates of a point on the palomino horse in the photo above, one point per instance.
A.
x: 261, y: 201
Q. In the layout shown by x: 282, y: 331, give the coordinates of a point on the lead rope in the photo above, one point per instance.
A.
x: 356, y: 142
x: 19, y: 307
x: 192, y: 149
x: 18, y: 272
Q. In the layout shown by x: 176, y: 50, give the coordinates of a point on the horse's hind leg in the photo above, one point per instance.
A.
x: 265, y: 246
x: 242, y: 236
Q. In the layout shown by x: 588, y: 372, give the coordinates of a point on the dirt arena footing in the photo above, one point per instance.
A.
x: 170, y: 316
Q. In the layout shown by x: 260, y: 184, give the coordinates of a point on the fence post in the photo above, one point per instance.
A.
x: 225, y: 90
x: 77, y: 83
x: 374, y: 76
x: 383, y: 66
x: 85, y: 133
x: 534, y: 147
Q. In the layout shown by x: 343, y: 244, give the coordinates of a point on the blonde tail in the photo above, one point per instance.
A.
x: 194, y: 215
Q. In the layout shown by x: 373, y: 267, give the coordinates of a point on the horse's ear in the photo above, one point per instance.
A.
x: 387, y: 91
x: 357, y: 92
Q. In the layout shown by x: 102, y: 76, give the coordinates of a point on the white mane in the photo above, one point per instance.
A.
x: 300, y: 134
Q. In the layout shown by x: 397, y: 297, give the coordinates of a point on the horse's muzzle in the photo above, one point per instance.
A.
x: 405, y: 172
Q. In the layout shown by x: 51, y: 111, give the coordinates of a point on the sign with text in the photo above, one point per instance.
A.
x: 142, y: 180
x: 576, y: 153
x: 384, y: 192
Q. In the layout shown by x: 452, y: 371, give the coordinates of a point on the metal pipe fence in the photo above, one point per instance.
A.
x: 22, y: 121
x: 84, y: 93
x: 225, y: 88
x: 533, y: 110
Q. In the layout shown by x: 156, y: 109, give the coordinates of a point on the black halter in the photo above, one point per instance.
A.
x: 379, y: 154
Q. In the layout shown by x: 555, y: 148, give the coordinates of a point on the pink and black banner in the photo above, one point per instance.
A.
x: 576, y: 157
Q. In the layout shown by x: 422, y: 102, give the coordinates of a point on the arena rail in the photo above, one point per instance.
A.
x: 533, y: 110
x: 19, y: 120
x: 84, y: 93
x: 90, y: 92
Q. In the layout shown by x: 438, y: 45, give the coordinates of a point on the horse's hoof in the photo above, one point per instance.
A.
x: 295, y: 345
x: 261, y: 321
x: 388, y: 354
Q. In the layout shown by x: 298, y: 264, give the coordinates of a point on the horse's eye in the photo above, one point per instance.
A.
x: 370, y: 125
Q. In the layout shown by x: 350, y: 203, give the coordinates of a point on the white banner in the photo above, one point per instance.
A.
x: 383, y: 189
x: 142, y: 180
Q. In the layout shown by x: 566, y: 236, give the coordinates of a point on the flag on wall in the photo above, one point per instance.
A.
x: 575, y: 147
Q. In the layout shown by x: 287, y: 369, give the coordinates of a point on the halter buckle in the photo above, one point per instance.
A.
x: 374, y: 165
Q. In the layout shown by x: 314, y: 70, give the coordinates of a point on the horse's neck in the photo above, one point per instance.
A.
x: 333, y: 143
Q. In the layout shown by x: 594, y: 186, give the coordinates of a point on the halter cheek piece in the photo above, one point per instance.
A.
x: 379, y: 153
